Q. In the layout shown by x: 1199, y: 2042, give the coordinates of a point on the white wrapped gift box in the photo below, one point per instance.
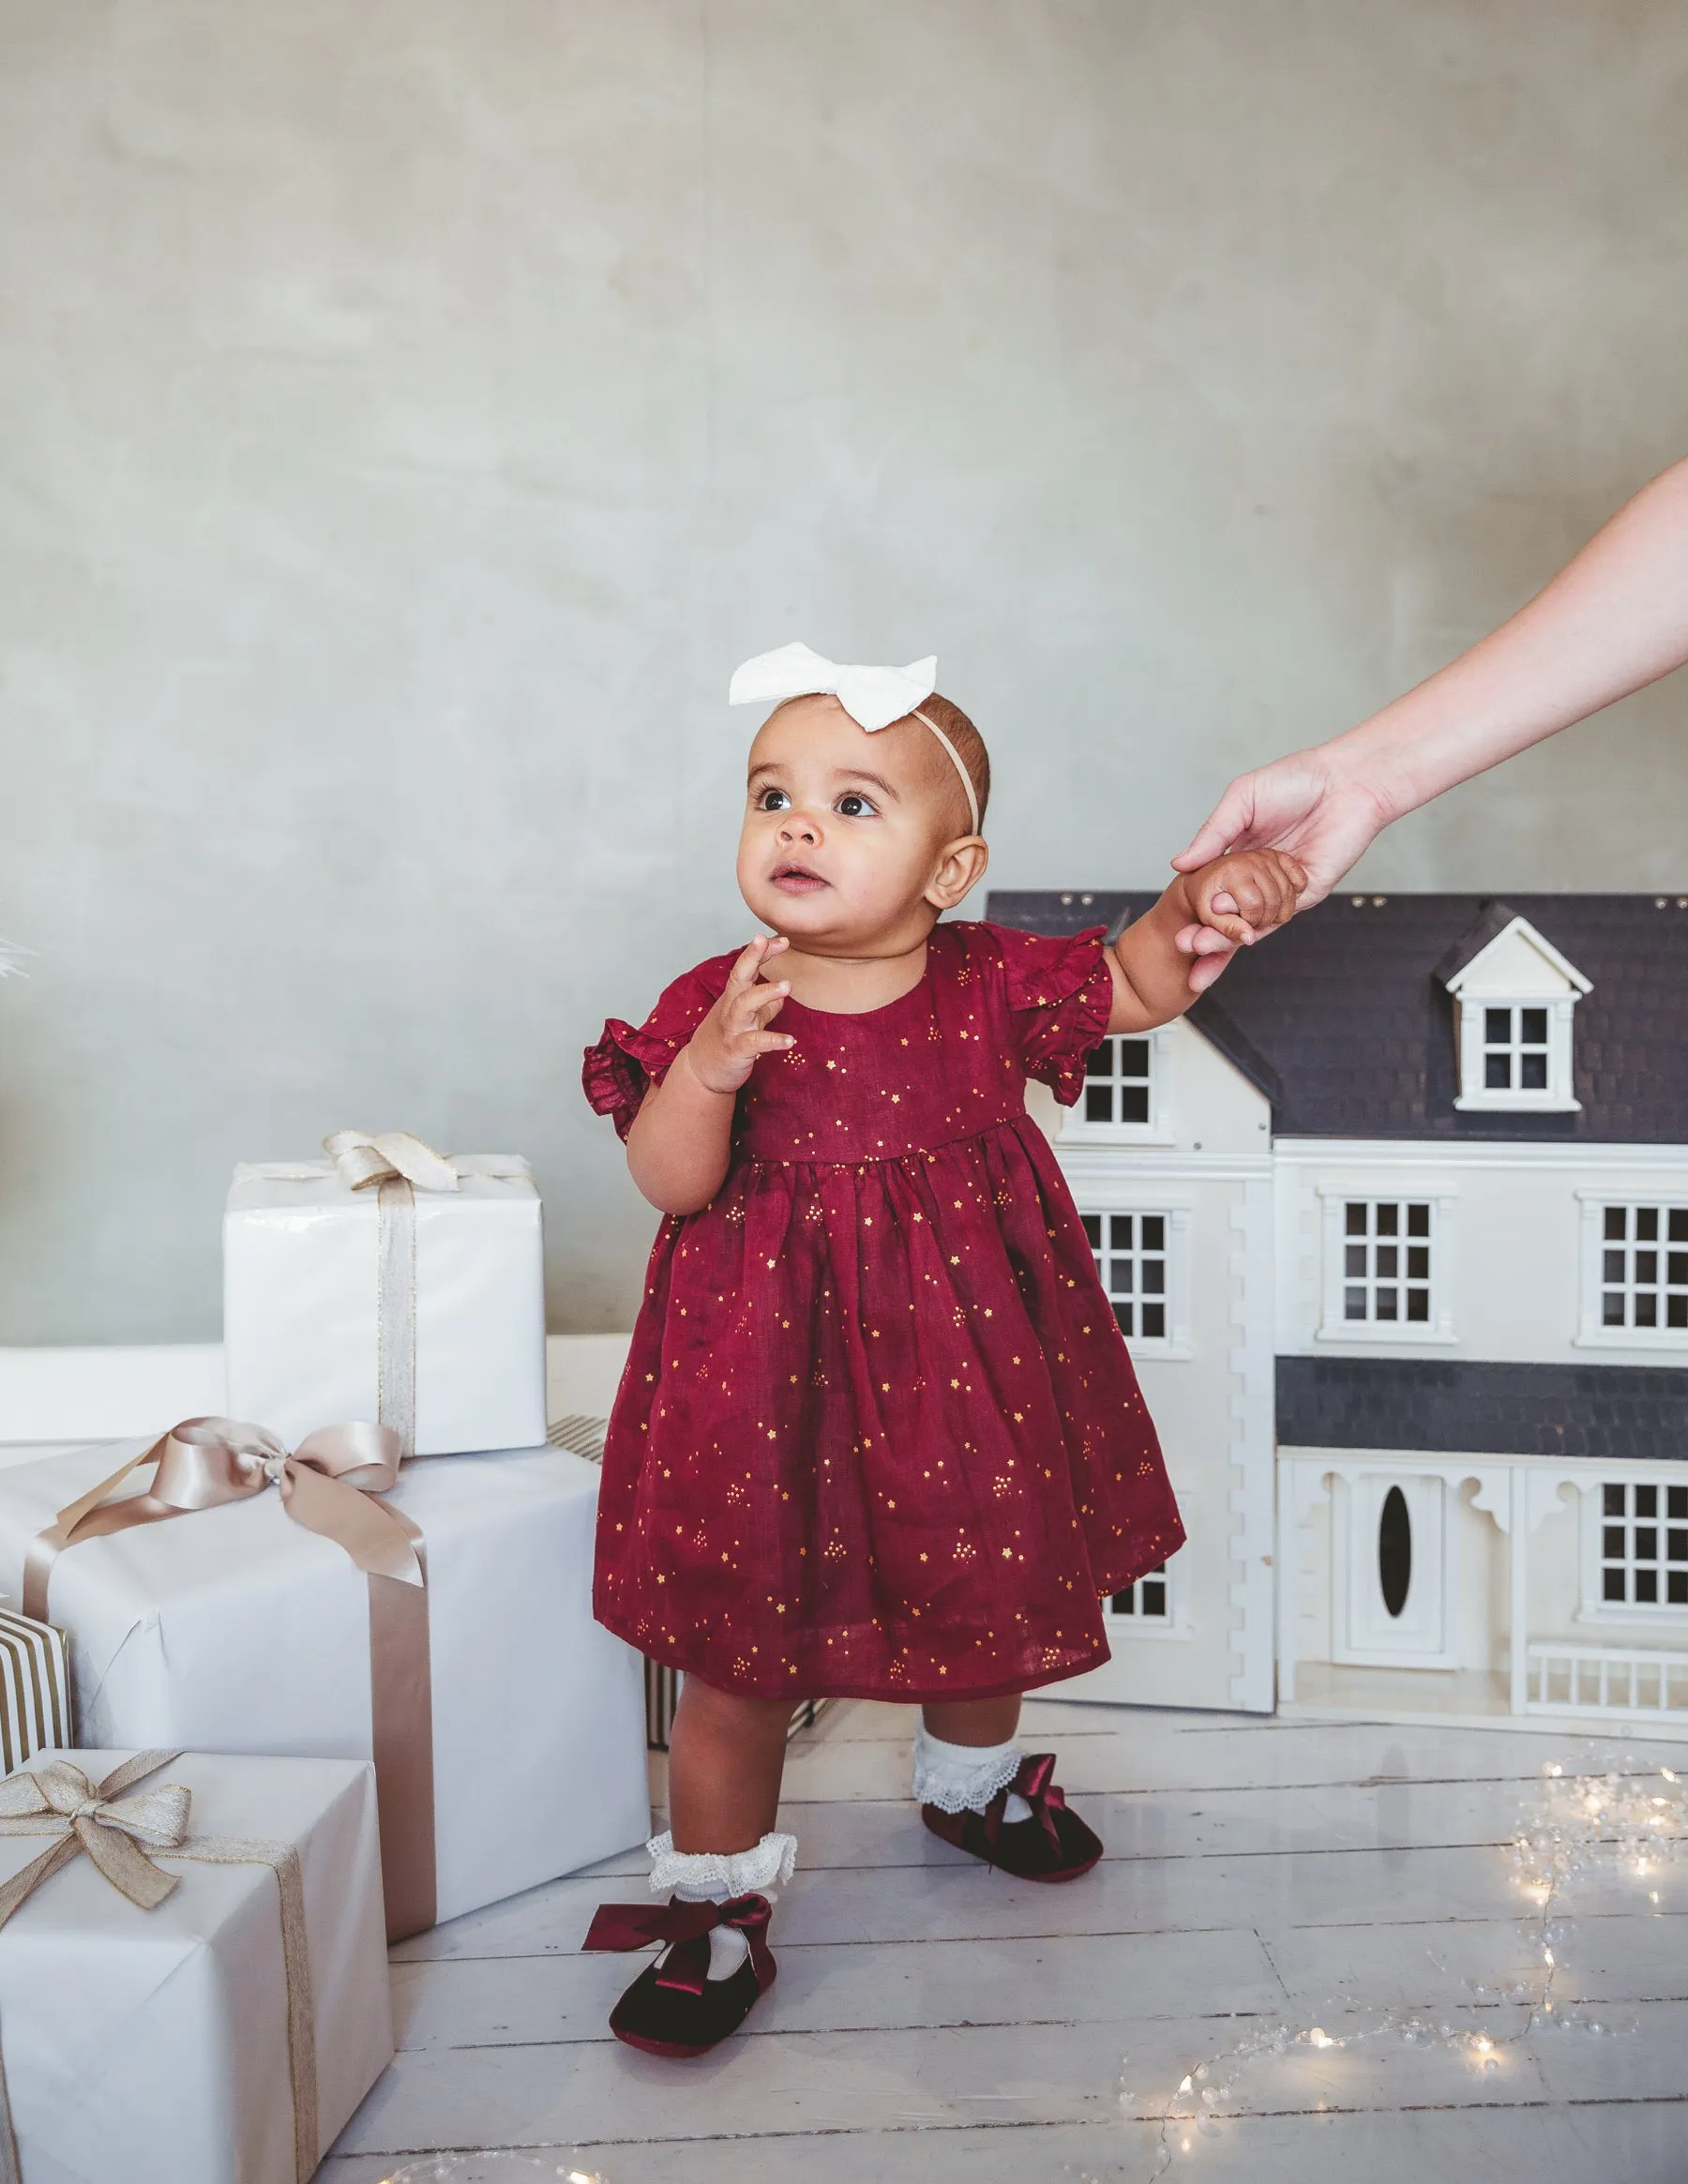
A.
x: 319, y: 1276
x: 235, y: 1629
x: 153, y: 2045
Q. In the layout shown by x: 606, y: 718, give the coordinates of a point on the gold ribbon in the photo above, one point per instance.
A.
x: 331, y: 1484
x: 122, y: 1834
x: 396, y: 1165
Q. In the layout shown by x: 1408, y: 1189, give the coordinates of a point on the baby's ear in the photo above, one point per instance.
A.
x: 959, y: 871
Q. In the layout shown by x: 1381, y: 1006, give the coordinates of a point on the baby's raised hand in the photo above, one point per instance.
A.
x: 722, y: 1050
x: 1247, y: 893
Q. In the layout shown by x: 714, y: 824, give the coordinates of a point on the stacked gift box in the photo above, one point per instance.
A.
x: 370, y: 1582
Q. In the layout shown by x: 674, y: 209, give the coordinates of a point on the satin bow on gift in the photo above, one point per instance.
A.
x: 386, y: 1156
x: 327, y: 1484
x: 1036, y: 1783
x: 116, y: 1829
x: 687, y: 1926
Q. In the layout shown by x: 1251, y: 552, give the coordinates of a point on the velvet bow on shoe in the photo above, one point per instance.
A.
x: 674, y: 2008
x: 1053, y: 1845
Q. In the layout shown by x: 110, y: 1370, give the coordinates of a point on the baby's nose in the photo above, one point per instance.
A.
x: 798, y: 827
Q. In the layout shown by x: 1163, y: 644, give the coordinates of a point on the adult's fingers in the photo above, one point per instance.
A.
x: 1207, y: 970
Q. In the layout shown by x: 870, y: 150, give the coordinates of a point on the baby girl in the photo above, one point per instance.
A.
x: 878, y: 1436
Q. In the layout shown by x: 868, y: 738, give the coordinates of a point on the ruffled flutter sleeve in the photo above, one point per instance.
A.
x: 1059, y: 997
x: 630, y: 1059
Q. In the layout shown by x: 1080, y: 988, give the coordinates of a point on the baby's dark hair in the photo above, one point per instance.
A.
x: 969, y: 742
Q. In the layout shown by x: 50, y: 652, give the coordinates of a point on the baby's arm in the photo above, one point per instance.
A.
x: 1151, y: 976
x: 681, y: 1137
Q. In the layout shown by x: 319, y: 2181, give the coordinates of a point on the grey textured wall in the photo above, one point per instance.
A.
x: 411, y: 412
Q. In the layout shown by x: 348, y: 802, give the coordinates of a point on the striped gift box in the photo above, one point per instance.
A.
x: 34, y: 1691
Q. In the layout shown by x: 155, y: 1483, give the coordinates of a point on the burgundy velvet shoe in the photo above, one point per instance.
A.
x: 674, y: 2008
x: 1054, y: 1845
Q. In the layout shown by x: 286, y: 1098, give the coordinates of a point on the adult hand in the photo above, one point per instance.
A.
x: 1304, y: 805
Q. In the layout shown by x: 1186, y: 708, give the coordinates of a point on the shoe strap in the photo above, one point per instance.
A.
x: 686, y: 1928
x: 1035, y: 1783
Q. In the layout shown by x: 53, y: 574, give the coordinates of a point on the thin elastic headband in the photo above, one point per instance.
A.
x: 973, y: 801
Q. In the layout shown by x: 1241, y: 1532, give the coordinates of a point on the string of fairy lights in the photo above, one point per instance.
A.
x: 1622, y: 1826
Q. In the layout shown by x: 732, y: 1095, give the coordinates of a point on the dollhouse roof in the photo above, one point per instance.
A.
x: 1344, y: 1022
x: 1504, y: 952
x: 1609, y: 1413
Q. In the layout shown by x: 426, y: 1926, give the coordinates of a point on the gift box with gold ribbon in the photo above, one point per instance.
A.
x: 223, y: 1592
x: 387, y: 1281
x: 193, y: 1979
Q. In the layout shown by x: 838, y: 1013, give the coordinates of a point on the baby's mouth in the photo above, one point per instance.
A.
x: 796, y: 880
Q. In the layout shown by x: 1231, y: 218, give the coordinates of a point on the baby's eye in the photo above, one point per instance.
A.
x: 853, y: 805
x: 773, y: 800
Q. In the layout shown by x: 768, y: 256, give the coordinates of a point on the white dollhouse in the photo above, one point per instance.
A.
x: 1397, y: 1224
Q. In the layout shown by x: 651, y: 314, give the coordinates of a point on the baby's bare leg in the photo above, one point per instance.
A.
x: 726, y: 1757
x: 972, y: 1721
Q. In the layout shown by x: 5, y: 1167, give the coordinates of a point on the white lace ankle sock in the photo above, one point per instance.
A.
x: 702, y: 1877
x: 963, y: 1778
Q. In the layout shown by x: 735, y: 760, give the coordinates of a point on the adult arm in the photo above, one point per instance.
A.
x: 1612, y: 621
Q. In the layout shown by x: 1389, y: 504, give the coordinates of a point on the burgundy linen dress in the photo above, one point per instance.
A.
x: 878, y: 1434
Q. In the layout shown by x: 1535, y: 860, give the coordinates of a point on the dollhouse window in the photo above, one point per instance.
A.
x: 1386, y: 1262
x: 1125, y: 1097
x: 1130, y: 1252
x: 1147, y: 1599
x: 1514, y: 998
x: 1140, y: 1258
x: 1516, y: 1050
x: 1385, y: 1269
x: 1157, y: 1607
x: 1643, y: 1545
x: 1634, y: 1272
x: 1643, y: 1280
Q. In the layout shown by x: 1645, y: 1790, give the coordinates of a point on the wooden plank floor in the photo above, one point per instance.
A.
x: 936, y: 2020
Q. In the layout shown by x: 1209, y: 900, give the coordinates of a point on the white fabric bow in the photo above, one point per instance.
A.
x: 873, y: 697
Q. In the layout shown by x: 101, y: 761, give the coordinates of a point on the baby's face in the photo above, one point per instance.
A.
x: 844, y: 832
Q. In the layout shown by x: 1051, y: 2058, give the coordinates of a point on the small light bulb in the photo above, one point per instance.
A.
x: 1184, y: 2085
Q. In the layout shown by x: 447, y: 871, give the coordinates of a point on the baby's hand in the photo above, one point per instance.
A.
x: 722, y: 1050
x: 1247, y: 893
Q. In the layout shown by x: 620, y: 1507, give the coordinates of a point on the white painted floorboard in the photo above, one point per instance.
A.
x: 936, y: 2020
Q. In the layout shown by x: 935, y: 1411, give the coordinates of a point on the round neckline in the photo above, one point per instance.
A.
x: 865, y: 1016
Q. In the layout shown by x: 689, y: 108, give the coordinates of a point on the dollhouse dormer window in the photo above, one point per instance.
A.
x: 1514, y: 999
x: 1125, y: 1097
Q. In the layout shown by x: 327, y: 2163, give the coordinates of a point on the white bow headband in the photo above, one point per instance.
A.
x: 873, y: 697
